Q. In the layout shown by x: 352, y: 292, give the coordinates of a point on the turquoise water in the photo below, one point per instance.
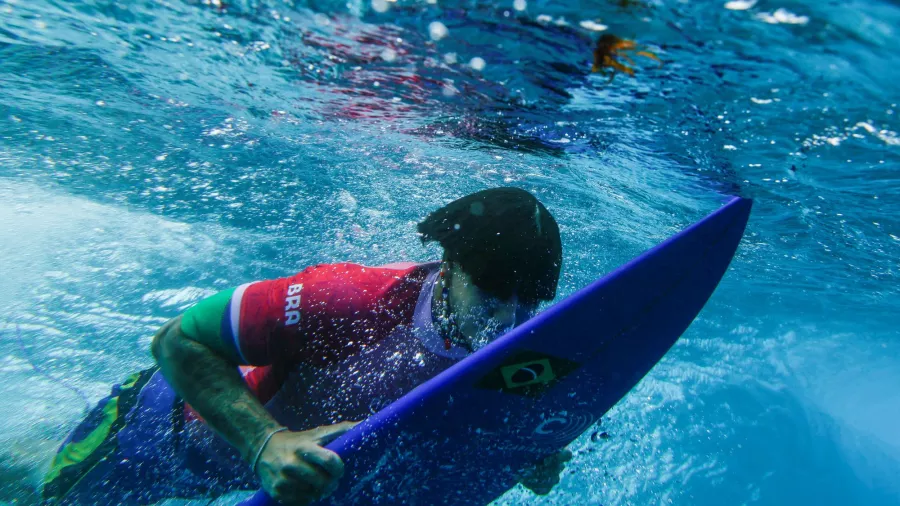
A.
x: 152, y: 153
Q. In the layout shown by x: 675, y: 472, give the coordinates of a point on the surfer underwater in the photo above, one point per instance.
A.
x: 252, y: 382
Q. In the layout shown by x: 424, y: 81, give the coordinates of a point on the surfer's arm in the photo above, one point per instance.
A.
x: 256, y: 324
x: 204, y: 375
x: 292, y: 466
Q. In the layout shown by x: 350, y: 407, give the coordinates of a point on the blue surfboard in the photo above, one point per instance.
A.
x: 462, y: 437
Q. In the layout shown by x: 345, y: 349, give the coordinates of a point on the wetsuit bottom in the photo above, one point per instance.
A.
x: 135, y: 448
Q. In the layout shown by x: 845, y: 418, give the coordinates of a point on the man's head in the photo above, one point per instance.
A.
x: 502, y: 256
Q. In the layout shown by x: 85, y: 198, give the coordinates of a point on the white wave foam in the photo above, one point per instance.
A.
x: 182, y: 298
x: 782, y: 16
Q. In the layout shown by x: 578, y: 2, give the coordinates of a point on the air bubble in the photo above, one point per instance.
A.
x: 379, y: 5
x: 437, y: 30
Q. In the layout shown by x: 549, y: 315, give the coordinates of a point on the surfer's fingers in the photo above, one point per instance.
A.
x: 556, y: 459
x: 290, y: 490
x: 325, y: 459
x: 543, y: 480
x: 307, y: 486
x: 550, y: 476
x: 305, y: 478
x: 541, y: 486
x: 541, y: 490
x: 545, y: 473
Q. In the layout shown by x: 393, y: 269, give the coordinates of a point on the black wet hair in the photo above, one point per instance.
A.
x: 504, y: 239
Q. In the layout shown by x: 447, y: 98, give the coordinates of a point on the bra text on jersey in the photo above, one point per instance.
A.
x: 292, y: 305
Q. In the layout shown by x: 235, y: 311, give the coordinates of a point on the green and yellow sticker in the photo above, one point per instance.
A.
x: 528, y: 373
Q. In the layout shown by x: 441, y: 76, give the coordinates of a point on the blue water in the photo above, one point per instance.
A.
x: 152, y: 153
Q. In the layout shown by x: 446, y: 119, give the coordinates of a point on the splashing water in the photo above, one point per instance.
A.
x: 154, y: 153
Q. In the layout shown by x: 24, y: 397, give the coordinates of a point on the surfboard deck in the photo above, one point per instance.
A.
x: 463, y: 437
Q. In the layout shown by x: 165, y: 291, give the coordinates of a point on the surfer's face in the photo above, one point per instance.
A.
x: 480, y: 317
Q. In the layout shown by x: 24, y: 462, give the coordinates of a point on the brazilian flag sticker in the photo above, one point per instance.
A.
x: 527, y: 373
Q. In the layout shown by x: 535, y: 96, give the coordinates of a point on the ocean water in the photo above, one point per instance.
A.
x: 152, y: 153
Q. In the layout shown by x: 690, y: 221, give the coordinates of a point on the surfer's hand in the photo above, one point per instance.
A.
x: 545, y: 474
x: 295, y: 469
